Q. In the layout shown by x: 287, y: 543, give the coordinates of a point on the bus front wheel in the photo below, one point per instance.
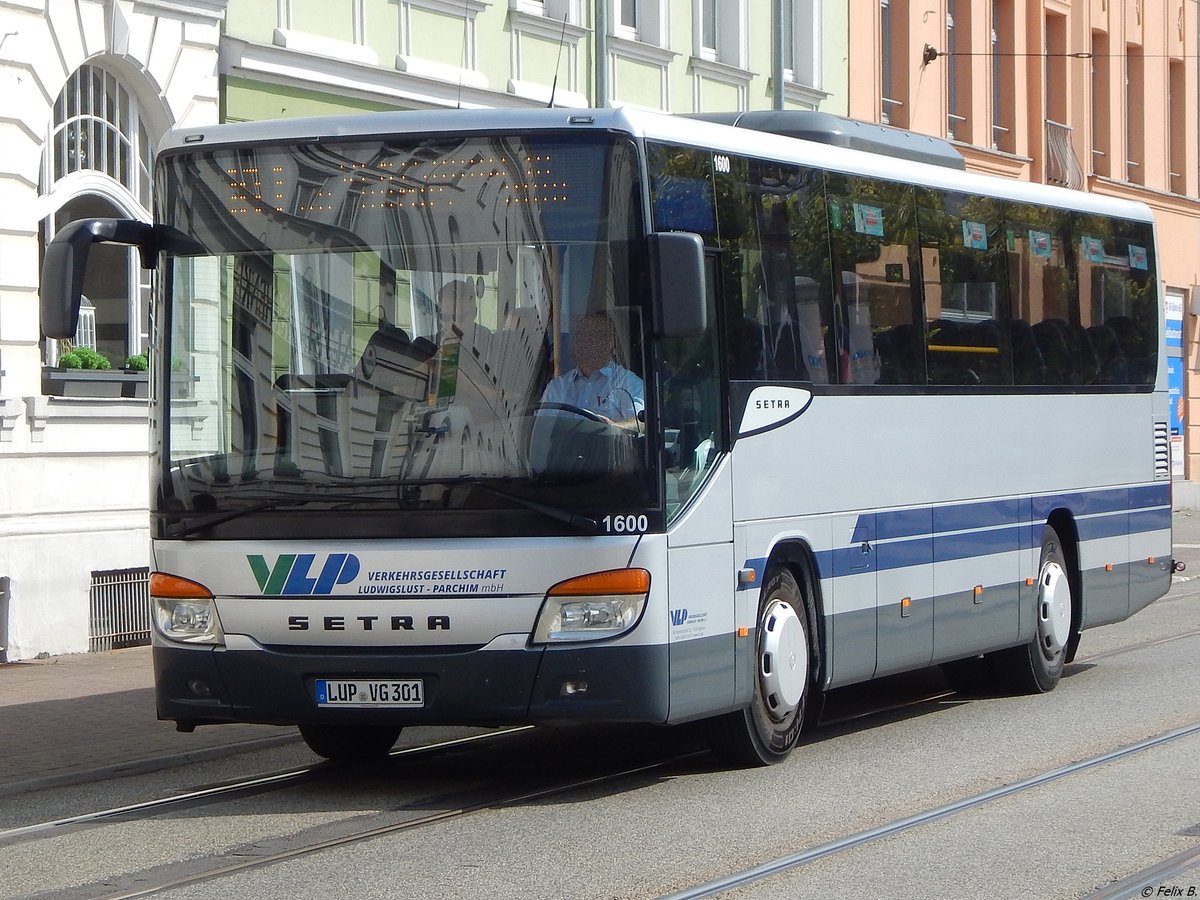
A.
x: 784, y: 662
x: 350, y: 742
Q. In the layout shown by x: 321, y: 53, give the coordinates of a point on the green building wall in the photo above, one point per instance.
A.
x: 314, y: 57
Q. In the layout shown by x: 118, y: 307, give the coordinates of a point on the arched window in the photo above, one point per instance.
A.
x: 97, y: 163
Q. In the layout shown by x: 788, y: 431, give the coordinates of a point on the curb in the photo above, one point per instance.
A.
x: 144, y: 766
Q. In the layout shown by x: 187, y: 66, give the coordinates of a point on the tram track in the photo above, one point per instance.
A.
x: 456, y: 805
x: 390, y: 822
x: 232, y: 790
x: 1182, y: 862
x: 405, y: 817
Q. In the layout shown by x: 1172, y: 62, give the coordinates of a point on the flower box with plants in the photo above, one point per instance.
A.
x: 83, y: 372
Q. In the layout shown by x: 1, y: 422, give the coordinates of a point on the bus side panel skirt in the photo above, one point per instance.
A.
x: 1105, y: 595
x: 701, y: 677
x: 1148, y: 581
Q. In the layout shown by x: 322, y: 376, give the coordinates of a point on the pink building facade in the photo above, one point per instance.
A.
x: 1099, y: 95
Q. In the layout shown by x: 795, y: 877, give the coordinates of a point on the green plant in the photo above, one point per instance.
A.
x: 137, y: 363
x: 84, y: 358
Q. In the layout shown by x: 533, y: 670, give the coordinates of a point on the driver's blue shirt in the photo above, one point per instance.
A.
x: 612, y: 391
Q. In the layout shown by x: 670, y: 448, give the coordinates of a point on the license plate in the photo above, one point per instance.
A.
x: 370, y: 692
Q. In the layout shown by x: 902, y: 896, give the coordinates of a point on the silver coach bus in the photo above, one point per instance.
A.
x: 499, y: 417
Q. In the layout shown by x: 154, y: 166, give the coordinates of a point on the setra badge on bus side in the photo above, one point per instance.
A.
x: 770, y: 407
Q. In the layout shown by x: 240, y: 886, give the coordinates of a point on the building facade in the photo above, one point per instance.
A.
x: 1098, y: 95
x: 301, y: 57
x: 89, y: 86
x: 92, y: 85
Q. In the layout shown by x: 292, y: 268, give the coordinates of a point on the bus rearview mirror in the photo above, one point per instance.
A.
x: 66, y: 260
x: 677, y: 267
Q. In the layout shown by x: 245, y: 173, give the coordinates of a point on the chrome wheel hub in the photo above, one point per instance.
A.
x: 782, y: 659
x: 1054, y: 609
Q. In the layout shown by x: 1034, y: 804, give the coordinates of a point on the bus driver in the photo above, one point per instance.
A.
x: 598, y: 383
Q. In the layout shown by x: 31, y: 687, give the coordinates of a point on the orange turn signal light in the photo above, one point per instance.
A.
x: 612, y: 582
x: 164, y: 585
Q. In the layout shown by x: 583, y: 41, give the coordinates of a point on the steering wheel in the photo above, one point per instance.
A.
x: 577, y: 410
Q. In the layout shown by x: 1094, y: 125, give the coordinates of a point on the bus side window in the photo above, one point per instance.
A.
x: 875, y: 264
x: 967, y: 335
x: 1118, y: 297
x: 1050, y: 344
x: 796, y: 299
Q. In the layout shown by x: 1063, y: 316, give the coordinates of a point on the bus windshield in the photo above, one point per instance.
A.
x: 448, y: 327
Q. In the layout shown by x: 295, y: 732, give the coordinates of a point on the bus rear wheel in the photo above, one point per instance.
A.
x: 350, y: 742
x: 1036, y: 667
x: 765, y: 732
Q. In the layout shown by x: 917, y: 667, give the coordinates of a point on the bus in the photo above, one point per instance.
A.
x: 492, y: 417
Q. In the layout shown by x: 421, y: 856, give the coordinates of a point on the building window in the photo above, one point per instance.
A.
x: 721, y: 31
x: 893, y: 33
x: 641, y: 20
x: 97, y: 128
x: 1135, y: 119
x: 802, y: 42
x: 952, y: 99
x: 97, y: 164
x: 1004, y: 75
x: 1101, y: 87
x: 627, y: 14
x: 1055, y: 68
x: 708, y: 26
x: 558, y: 10
x: 1176, y: 125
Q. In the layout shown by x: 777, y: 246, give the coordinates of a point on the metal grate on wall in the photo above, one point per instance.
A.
x: 120, y: 609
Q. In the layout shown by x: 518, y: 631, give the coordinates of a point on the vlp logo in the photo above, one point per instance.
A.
x: 678, y: 616
x: 293, y: 573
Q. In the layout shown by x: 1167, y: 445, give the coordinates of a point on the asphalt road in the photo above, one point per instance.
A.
x: 675, y: 827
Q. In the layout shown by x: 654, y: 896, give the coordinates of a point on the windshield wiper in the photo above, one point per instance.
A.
x: 574, y: 519
x: 183, y: 529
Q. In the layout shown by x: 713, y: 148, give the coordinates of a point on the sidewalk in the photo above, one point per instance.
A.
x: 91, y: 715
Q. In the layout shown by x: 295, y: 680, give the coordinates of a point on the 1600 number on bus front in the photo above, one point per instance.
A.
x: 626, y: 524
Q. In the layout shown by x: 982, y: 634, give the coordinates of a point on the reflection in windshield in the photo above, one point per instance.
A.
x: 371, y: 315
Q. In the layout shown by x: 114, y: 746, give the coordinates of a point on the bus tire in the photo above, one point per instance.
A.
x: 350, y: 742
x: 1036, y: 667
x: 785, y: 656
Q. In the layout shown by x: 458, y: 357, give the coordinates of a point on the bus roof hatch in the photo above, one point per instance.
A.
x: 837, y: 131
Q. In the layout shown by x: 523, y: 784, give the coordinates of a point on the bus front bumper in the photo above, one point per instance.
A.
x: 577, y: 683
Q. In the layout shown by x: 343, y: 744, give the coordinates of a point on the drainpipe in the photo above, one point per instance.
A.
x: 777, y: 54
x: 602, y: 53
x: 5, y: 593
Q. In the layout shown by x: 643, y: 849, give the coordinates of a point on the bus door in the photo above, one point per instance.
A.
x: 698, y: 481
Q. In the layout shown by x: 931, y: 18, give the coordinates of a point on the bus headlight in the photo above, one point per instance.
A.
x: 184, y: 610
x: 593, y: 607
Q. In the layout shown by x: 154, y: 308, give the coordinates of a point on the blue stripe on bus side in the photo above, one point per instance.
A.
x: 998, y: 528
x: 977, y: 543
x: 1141, y: 520
x: 1150, y: 495
x: 989, y: 514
